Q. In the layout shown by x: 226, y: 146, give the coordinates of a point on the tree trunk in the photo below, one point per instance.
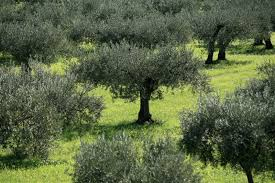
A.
x: 222, y: 54
x: 145, y: 95
x: 268, y: 44
x: 249, y: 176
x: 222, y: 49
x: 144, y: 112
x: 258, y: 42
x: 211, y: 45
x: 25, y: 67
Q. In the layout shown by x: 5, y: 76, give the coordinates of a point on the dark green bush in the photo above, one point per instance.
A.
x: 34, y: 109
x: 121, y: 160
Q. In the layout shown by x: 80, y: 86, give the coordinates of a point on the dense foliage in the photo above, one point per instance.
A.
x: 119, y: 160
x: 221, y: 22
x: 36, y: 108
x: 137, y: 51
x: 140, y: 48
x: 24, y: 34
x: 236, y: 131
x: 130, y: 72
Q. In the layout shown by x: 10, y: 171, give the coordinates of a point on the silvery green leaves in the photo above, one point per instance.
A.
x: 121, y: 159
x: 36, y: 108
x: 237, y: 130
x: 134, y: 21
x: 124, y: 67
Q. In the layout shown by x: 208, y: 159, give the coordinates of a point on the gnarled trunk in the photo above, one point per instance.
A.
x: 268, y: 44
x: 145, y: 95
x: 211, y: 44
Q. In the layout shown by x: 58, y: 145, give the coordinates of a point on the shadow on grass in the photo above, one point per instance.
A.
x: 110, y: 130
x: 72, y: 132
x: 126, y: 126
x: 242, y: 49
x: 249, y: 50
x: 223, y: 64
x: 10, y: 161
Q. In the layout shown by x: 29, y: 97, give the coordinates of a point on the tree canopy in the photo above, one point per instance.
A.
x: 139, y: 51
x: 236, y: 131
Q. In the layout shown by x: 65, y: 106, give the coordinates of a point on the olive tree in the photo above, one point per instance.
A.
x: 27, y: 40
x: 262, y: 12
x: 223, y: 22
x: 131, y: 72
x: 239, y: 130
x: 34, y: 110
x: 230, y: 132
x: 137, y: 54
x: 24, y: 35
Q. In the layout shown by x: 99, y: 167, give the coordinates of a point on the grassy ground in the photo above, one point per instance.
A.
x: 119, y: 116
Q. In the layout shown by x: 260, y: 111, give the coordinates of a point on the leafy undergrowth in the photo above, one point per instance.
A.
x: 119, y: 116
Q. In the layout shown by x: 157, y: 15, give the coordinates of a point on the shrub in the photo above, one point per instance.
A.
x: 35, y: 108
x: 106, y: 161
x: 163, y: 162
x: 232, y: 132
x: 121, y: 160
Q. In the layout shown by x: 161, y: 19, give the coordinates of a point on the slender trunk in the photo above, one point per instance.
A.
x: 222, y: 49
x: 210, y: 53
x: 258, y: 42
x: 249, y: 176
x: 25, y: 67
x: 145, y: 95
x: 211, y: 45
x: 144, y: 112
x: 268, y: 44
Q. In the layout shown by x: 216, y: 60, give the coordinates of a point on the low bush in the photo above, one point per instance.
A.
x: 106, y: 161
x: 163, y: 162
x: 35, y: 108
x: 122, y: 160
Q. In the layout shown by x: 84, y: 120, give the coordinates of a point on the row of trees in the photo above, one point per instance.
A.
x: 136, y: 43
x: 135, y: 40
x: 140, y: 46
x: 221, y: 22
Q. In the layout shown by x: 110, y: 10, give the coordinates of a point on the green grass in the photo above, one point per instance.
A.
x: 120, y: 116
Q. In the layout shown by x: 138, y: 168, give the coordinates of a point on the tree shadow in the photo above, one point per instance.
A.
x: 125, y: 126
x: 245, y: 48
x: 110, y: 130
x: 249, y: 50
x: 223, y: 64
x: 10, y: 161
x: 71, y: 133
